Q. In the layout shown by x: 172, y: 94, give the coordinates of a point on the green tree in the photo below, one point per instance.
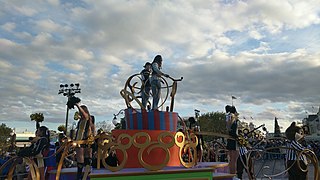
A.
x: 213, y: 122
x: 4, y: 136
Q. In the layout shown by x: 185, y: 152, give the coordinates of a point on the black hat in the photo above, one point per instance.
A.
x: 147, y: 63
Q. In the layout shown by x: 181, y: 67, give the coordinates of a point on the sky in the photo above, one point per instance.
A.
x: 266, y: 53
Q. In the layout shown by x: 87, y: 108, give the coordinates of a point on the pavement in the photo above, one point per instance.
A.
x: 274, y: 169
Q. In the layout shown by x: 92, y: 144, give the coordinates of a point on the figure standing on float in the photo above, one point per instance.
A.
x: 156, y: 80
x: 146, y: 86
x: 232, y: 146
x: 85, y: 129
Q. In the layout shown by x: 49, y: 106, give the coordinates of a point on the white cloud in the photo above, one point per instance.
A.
x: 5, y: 65
x: 54, y: 2
x: 256, y: 50
x: 255, y: 34
x: 48, y: 25
x: 24, y: 10
x: 9, y: 26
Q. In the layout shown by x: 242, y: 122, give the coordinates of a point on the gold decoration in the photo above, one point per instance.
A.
x: 243, y: 140
x: 132, y: 90
x: 187, y: 146
x: 309, y: 155
x: 117, y: 145
x: 65, y: 148
x: 76, y: 116
x: 35, y: 173
x: 90, y: 139
x: 149, y: 146
x: 34, y: 170
x: 141, y: 134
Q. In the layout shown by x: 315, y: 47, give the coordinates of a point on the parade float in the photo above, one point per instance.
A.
x: 149, y: 146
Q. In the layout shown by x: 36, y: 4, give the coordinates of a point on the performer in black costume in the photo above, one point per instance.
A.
x: 38, y: 144
x: 232, y: 127
x: 85, y: 129
x: 146, y: 86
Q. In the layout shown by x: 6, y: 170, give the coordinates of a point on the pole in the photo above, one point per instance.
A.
x: 67, y: 115
x: 196, y: 113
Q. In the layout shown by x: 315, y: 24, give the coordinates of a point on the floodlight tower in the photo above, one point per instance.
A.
x: 69, y: 91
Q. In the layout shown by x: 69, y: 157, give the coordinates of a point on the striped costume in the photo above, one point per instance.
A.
x: 242, y: 163
x: 295, y: 173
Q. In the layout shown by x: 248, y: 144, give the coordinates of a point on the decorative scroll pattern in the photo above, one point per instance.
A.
x: 147, y: 145
x: 309, y: 154
x: 257, y: 154
x: 117, y: 145
x: 34, y: 170
x: 106, y: 141
x: 132, y: 91
x: 187, y: 147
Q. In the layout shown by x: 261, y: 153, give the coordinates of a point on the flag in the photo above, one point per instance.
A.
x: 233, y: 97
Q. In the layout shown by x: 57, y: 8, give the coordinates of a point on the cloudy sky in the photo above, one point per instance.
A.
x: 266, y: 53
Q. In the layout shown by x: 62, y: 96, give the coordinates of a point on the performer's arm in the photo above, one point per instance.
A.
x: 155, y: 67
x: 85, y: 114
x: 42, y: 142
x: 93, y: 128
x: 297, y: 146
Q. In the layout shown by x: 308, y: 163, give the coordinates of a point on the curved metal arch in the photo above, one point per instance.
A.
x: 131, y: 91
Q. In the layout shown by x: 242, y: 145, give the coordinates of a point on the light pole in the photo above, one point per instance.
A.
x: 69, y: 91
x: 197, y: 113
x: 232, y: 98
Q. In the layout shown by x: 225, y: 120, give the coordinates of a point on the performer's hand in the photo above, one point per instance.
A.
x: 35, y: 139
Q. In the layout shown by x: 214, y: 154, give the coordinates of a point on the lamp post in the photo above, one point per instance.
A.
x: 232, y: 98
x: 197, y: 113
x: 69, y: 91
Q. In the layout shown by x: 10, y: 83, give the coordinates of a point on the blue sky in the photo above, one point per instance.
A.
x: 266, y: 53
